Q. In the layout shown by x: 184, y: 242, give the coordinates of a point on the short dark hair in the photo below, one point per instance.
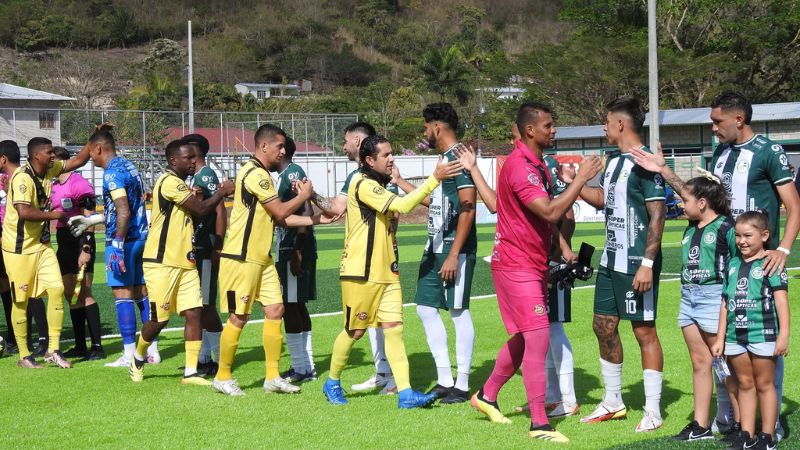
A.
x: 36, y: 144
x: 361, y: 127
x: 10, y: 150
x: 290, y: 147
x: 61, y: 153
x: 758, y: 219
x: 268, y: 131
x: 199, y: 141
x: 712, y: 191
x: 174, y: 147
x: 103, y: 137
x: 441, y: 112
x: 631, y: 107
x: 528, y: 113
x: 734, y: 101
x: 369, y: 147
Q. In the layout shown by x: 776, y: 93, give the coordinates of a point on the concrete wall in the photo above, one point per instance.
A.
x: 23, y: 124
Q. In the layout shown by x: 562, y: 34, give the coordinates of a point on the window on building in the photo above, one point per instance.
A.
x: 261, y: 94
x: 684, y: 151
x: 47, y: 120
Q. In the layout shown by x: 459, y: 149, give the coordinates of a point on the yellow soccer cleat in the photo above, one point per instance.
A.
x: 136, y: 373
x: 490, y: 409
x: 547, y: 433
x: 195, y: 380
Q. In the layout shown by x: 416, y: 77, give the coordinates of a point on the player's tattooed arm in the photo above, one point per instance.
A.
x: 655, y: 231
x: 606, y: 328
x: 123, y: 215
x: 656, y: 163
x: 323, y: 203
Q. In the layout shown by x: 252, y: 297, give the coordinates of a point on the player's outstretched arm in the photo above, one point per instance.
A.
x: 655, y: 162
x: 443, y: 171
x: 591, y: 195
x: 552, y: 210
x: 29, y: 213
x: 776, y: 259
x: 466, y: 155
x: 405, y: 185
x: 199, y: 208
x: 333, y: 207
x: 281, y: 210
x: 82, y: 157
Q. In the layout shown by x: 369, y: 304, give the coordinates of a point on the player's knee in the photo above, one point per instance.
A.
x: 238, y: 320
x: 274, y: 312
x: 605, y: 326
x: 356, y: 334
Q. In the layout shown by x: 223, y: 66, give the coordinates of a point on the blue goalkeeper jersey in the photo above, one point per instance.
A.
x: 122, y: 177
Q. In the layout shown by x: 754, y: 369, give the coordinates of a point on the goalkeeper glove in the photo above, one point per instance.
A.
x: 79, y: 224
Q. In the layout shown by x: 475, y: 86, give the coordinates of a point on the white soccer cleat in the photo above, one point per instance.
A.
x: 372, y: 383
x: 153, y: 356
x: 604, y: 412
x: 390, y: 388
x: 122, y: 361
x: 227, y: 387
x: 650, y: 422
x: 280, y: 385
x: 562, y: 409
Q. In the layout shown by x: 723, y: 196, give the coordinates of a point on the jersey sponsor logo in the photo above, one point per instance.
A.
x: 66, y: 203
x: 112, y: 185
x: 784, y: 277
x: 533, y: 179
x: 293, y: 176
x: 777, y: 148
x: 539, y: 309
x: 610, y: 196
x: 741, y: 321
x: 183, y: 188
x: 108, y: 176
x: 362, y: 315
x: 264, y: 184
x: 731, y: 305
x: 784, y: 160
x: 742, y: 166
x: 741, y: 284
x: 378, y: 190
x: 165, y: 306
x: 694, y: 253
x: 719, y: 165
x: 709, y: 238
x: 245, y: 299
x: 658, y: 180
x: 395, y: 268
x: 24, y: 288
x: 205, y: 178
x: 757, y: 273
x: 726, y: 181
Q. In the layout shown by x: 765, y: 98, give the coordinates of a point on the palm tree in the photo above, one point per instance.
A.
x: 445, y: 72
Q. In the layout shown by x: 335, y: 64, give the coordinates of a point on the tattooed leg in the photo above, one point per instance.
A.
x: 606, y: 328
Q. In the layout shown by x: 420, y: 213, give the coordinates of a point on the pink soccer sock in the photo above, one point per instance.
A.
x: 508, y: 361
x: 537, y: 343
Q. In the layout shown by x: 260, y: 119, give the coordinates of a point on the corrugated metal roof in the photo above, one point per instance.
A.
x: 11, y: 92
x: 763, y: 112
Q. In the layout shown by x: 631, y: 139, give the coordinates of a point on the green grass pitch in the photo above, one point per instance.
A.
x: 92, y: 406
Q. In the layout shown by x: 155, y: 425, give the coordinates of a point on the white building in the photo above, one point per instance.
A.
x: 27, y: 113
x: 273, y: 90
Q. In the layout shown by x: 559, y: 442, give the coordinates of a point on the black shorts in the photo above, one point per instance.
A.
x: 69, y: 249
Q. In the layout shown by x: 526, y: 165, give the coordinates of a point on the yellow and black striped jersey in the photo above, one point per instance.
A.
x: 26, y: 188
x: 169, y: 241
x: 250, y: 227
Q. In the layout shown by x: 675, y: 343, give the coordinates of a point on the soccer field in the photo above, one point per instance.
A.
x: 94, y: 406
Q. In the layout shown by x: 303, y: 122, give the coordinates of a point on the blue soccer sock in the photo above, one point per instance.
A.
x: 144, y: 311
x: 126, y: 319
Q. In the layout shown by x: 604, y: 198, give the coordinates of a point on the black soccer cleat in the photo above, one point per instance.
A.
x: 96, y: 353
x: 439, y: 391
x: 455, y: 396
x: 76, y: 352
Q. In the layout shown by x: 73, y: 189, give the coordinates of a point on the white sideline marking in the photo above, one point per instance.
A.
x: 405, y: 305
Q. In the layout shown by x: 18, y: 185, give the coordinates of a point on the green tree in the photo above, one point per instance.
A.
x: 445, y: 73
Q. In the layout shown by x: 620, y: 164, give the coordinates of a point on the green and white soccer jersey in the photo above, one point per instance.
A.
x: 749, y: 295
x: 627, y: 188
x: 750, y: 173
x: 558, y: 187
x: 707, y: 250
x: 205, y: 227
x: 286, y: 236
x: 302, y: 288
x: 443, y: 212
x: 346, y: 185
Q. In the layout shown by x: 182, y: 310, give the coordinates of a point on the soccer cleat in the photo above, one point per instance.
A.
x: 11, y: 349
x: 455, y: 396
x: 310, y: 376
x: 195, y: 379
x: 562, y: 409
x: 292, y: 375
x: 136, y: 372
x: 490, y: 409
x: 739, y: 441
x: 76, y: 352
x: 439, y: 391
x: 122, y: 361
x: 227, y: 387
x: 390, y: 388
x: 409, y: 398
x: 153, y: 357
x: 547, y: 433
x: 693, y: 432
x: 753, y: 444
x: 57, y: 358
x: 732, y: 433
x: 650, y: 422
x: 765, y: 442
x: 40, y: 349
x: 378, y: 380
x: 278, y: 384
x: 603, y: 413
x: 29, y: 362
x: 96, y: 354
x: 333, y: 392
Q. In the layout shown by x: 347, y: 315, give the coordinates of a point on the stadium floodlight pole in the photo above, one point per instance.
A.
x: 652, y: 52
x: 191, y: 83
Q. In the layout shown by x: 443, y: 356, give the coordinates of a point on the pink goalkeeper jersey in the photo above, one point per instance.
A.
x: 67, y: 196
x: 522, y: 240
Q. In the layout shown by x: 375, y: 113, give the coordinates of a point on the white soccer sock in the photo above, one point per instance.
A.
x: 437, y: 341
x: 724, y: 407
x: 213, y: 344
x: 128, y: 350
x: 561, y: 350
x: 465, y: 342
x: 652, y: 391
x: 553, y: 392
x: 297, y: 351
x: 205, y: 353
x: 187, y: 372
x: 309, y: 349
x: 378, y: 351
x: 612, y: 379
x: 153, y: 349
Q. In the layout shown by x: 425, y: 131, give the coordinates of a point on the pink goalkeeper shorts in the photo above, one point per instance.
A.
x: 522, y: 298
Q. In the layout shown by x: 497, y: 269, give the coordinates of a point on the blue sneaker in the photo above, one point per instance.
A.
x: 409, y: 398
x: 333, y: 392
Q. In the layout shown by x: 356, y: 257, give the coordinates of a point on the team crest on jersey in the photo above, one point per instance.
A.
x: 623, y: 175
x: 784, y: 277
x: 183, y: 188
x: 757, y: 273
x: 658, y: 180
x: 539, y: 309
x: 362, y: 315
x: 694, y: 253
x: 378, y: 190
x: 212, y: 187
x: 784, y: 160
x: 245, y: 299
x: 165, y: 306
x: 709, y: 238
x: 264, y: 184
x: 112, y: 185
x: 24, y: 288
x: 22, y: 188
x: 534, y: 179
x: 742, y: 166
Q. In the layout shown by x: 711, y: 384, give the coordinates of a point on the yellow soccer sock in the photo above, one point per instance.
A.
x: 141, y: 348
x: 55, y: 317
x: 19, y: 319
x: 272, y: 339
x: 396, y: 355
x: 228, y: 342
x: 341, y: 352
x: 192, y: 355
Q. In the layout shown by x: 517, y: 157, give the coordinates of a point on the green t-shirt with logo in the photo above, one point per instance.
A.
x: 205, y: 227
x: 443, y: 212
x: 558, y: 187
x: 749, y: 297
x: 286, y: 236
x: 706, y: 251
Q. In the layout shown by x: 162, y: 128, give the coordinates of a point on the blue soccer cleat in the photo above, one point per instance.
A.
x: 333, y: 392
x: 409, y: 398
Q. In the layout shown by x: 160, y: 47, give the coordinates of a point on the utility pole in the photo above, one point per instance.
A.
x: 191, y: 83
x: 652, y: 52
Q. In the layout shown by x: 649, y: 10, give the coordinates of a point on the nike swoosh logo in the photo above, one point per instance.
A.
x: 695, y: 436
x: 750, y: 446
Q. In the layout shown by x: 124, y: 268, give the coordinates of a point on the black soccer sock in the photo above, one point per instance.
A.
x: 305, y: 317
x: 78, y: 316
x: 93, y: 320
x: 37, y: 310
x: 7, y: 310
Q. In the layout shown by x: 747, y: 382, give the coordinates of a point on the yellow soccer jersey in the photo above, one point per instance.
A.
x: 169, y: 241
x: 249, y: 235
x: 368, y: 252
x: 26, y: 188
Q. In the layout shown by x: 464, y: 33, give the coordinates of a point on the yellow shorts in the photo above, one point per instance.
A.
x: 171, y: 290
x: 366, y: 304
x: 31, y: 275
x: 241, y: 283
